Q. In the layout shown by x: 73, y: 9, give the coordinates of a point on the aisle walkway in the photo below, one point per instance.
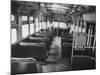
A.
x: 55, y: 62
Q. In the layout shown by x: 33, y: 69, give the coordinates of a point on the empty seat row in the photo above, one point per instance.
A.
x: 66, y: 43
x: 25, y: 66
x: 44, y: 34
x: 67, y: 50
x: 67, y: 35
x: 45, y: 38
x: 35, y: 46
x: 38, y: 40
x: 27, y: 49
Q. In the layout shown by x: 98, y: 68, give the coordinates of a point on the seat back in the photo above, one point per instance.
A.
x: 24, y: 65
x: 26, y: 49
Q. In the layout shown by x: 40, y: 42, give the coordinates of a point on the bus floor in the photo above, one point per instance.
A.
x: 55, y: 62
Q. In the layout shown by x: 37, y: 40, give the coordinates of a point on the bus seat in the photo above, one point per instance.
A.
x: 26, y: 49
x: 38, y: 40
x: 67, y: 40
x: 24, y: 66
x: 45, y: 39
x: 43, y: 36
x: 67, y: 35
x: 66, y: 49
x: 83, y: 63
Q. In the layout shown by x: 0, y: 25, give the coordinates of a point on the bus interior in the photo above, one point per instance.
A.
x: 52, y: 37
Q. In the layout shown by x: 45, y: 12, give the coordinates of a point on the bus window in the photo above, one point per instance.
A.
x: 37, y: 24
x: 55, y: 24
x: 31, y: 28
x: 48, y: 25
x: 40, y: 27
x: 36, y: 28
x: 31, y: 25
x: 31, y: 18
x: 72, y: 28
x: 12, y: 17
x: 13, y: 35
x: 76, y: 28
x: 44, y: 25
x: 24, y: 18
x: 83, y: 30
x: 24, y: 30
x: 80, y: 29
x: 62, y: 25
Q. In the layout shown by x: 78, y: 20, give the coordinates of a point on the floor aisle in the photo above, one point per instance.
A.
x: 55, y: 62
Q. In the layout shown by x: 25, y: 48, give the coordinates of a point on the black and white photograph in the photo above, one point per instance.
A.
x: 52, y: 37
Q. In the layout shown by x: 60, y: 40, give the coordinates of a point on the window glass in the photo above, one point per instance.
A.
x: 76, y: 28
x: 43, y: 25
x: 13, y: 35
x: 83, y: 30
x: 62, y: 25
x: 24, y: 30
x: 55, y: 24
x: 51, y: 25
x: 24, y: 18
x: 48, y: 24
x: 40, y: 25
x: 37, y: 29
x: 80, y: 29
x: 31, y: 18
x: 31, y: 28
x: 73, y: 28
x: 12, y: 17
x: 89, y: 17
x: 36, y: 22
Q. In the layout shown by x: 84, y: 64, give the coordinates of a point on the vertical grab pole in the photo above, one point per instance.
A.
x: 19, y: 19
x: 38, y: 23
x: 72, y: 48
x: 41, y: 22
x: 94, y: 43
x: 58, y: 27
x: 88, y: 37
x: 28, y: 25
x: 34, y: 24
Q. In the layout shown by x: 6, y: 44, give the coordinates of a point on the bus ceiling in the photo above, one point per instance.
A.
x: 53, y: 11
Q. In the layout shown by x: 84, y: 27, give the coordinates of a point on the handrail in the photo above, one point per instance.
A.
x: 31, y: 44
x: 39, y: 38
x: 26, y: 60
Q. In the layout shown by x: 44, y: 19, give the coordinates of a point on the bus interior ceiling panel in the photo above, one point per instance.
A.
x: 52, y: 37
